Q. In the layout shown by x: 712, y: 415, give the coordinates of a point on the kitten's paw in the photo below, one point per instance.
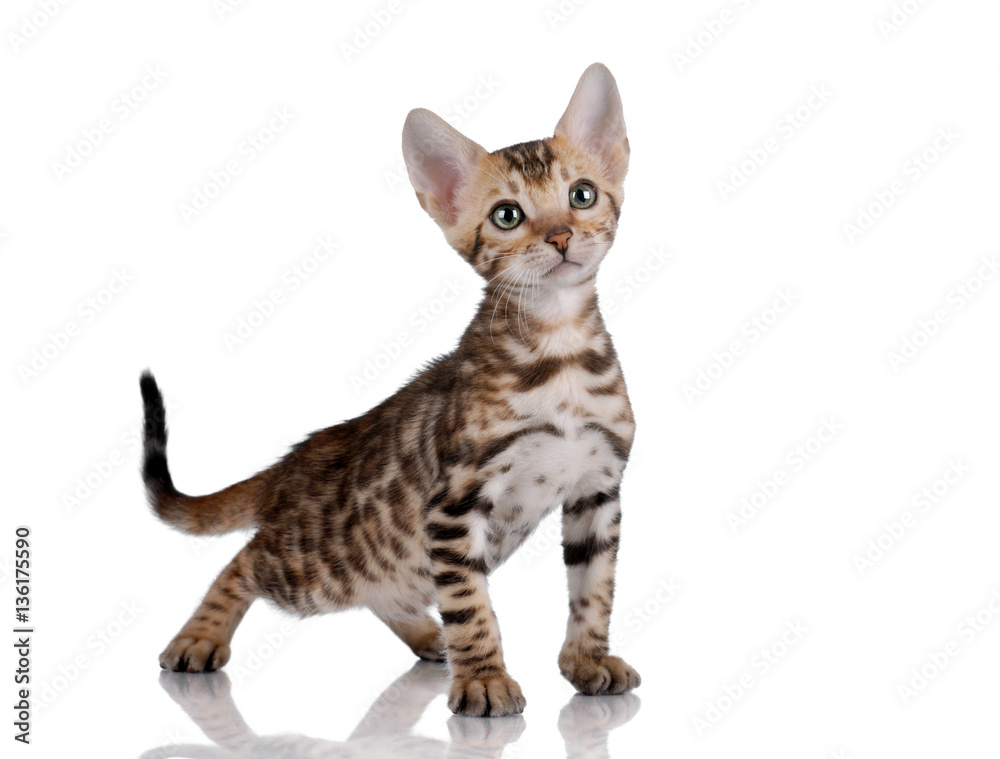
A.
x: 190, y: 654
x: 487, y: 697
x: 608, y: 675
x: 422, y: 634
x: 431, y: 646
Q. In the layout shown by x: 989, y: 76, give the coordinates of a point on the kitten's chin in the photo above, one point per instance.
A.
x: 564, y: 269
x: 566, y: 275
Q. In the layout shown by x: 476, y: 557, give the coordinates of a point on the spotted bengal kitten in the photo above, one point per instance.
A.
x: 415, y: 502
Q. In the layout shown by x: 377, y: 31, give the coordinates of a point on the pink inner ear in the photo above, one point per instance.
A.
x: 593, y: 118
x: 445, y: 178
x: 439, y: 159
x: 596, y: 124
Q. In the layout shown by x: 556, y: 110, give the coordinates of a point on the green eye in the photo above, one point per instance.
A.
x: 507, y: 216
x: 582, y: 195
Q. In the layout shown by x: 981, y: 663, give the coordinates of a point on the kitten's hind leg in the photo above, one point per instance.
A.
x: 422, y: 634
x: 202, y: 645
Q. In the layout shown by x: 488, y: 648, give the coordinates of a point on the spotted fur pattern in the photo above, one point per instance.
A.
x: 414, y: 503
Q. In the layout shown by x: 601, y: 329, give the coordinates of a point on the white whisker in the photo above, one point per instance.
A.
x: 506, y: 321
x: 496, y: 258
x: 498, y: 275
x: 506, y: 284
x: 520, y: 302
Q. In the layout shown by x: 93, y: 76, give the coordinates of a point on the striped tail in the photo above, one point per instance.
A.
x: 229, y: 509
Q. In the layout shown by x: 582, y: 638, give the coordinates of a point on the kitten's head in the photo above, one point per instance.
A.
x: 540, y: 213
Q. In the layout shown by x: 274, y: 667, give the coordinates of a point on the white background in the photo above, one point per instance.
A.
x: 714, y: 596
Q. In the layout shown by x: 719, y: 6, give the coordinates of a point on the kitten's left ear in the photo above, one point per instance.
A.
x: 593, y: 120
x: 439, y: 160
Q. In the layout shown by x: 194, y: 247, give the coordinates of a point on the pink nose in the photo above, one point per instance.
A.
x: 560, y: 240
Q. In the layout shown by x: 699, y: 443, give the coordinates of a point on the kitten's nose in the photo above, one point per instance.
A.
x: 560, y: 239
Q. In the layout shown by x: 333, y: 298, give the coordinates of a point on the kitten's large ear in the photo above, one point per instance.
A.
x: 593, y: 120
x: 439, y: 160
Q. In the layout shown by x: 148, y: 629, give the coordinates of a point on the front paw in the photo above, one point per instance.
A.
x: 187, y: 653
x: 496, y: 696
x: 606, y: 675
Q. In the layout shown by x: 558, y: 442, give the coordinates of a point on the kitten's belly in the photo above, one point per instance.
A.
x: 537, y: 474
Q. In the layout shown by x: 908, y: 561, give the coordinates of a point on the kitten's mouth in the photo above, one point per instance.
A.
x: 562, y: 267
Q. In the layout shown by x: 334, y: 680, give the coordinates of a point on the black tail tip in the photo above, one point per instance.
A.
x: 155, y: 422
x: 148, y: 386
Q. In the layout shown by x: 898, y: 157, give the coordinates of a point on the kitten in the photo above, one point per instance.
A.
x: 415, y: 502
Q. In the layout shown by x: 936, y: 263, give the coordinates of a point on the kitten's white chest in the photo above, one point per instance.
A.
x: 567, y: 458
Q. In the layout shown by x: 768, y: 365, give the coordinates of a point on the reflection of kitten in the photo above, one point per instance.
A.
x: 387, y: 729
x: 416, y: 501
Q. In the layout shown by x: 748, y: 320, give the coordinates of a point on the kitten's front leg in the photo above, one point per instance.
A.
x: 457, y: 540
x: 591, y: 528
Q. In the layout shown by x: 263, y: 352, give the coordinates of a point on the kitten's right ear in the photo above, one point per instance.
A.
x: 439, y: 160
x: 593, y: 120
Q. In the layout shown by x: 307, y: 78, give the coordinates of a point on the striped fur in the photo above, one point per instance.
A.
x: 414, y: 503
